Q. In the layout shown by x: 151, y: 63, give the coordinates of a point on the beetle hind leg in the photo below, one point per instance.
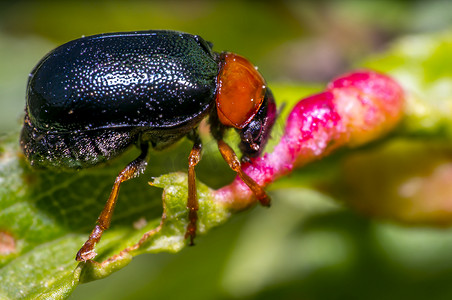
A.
x: 192, y: 202
x: 132, y: 170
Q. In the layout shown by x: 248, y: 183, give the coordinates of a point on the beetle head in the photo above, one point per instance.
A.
x: 244, y: 102
x: 255, y: 134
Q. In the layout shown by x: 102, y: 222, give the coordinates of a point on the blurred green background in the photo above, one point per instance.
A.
x: 307, y: 246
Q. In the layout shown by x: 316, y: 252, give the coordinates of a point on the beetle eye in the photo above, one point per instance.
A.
x: 240, y: 91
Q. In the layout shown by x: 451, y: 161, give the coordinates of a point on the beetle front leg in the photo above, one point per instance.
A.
x: 234, y: 163
x: 132, y: 170
x: 192, y: 202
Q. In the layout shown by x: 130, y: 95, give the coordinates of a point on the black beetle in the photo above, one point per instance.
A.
x: 90, y: 99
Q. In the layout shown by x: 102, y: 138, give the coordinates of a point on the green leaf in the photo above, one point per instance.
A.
x: 48, y: 214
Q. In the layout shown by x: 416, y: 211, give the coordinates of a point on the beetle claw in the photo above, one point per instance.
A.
x: 84, y: 256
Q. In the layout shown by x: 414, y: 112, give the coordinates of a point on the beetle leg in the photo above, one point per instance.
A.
x: 192, y: 202
x: 132, y: 170
x: 234, y: 163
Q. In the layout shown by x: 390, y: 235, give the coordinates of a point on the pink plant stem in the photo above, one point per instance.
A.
x: 354, y: 109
